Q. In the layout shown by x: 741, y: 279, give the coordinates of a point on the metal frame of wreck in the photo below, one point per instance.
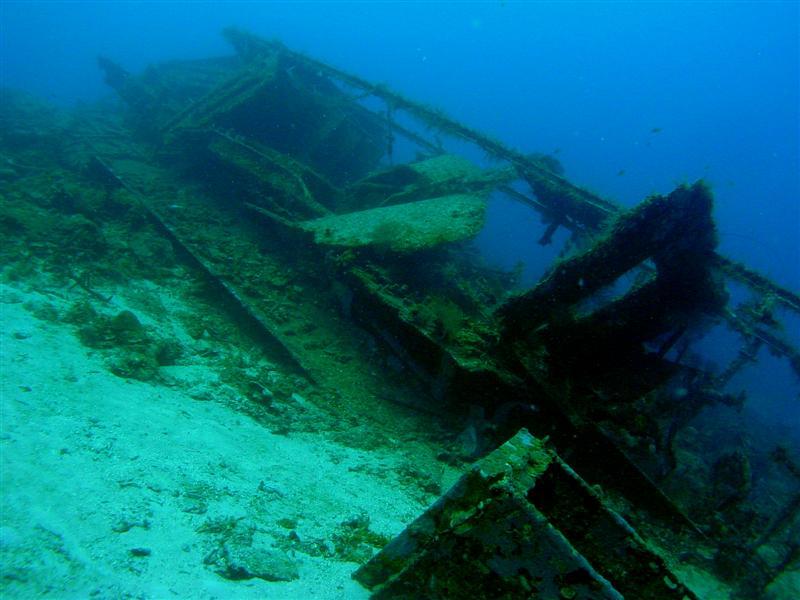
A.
x: 564, y: 204
x: 561, y: 204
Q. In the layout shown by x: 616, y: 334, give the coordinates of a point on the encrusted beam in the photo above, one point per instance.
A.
x: 520, y: 524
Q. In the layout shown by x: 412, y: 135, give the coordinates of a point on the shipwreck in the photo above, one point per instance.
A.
x: 577, y: 397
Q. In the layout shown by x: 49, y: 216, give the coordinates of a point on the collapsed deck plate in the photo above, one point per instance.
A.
x: 403, y: 228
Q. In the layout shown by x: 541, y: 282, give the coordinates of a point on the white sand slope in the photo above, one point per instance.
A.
x: 123, y: 489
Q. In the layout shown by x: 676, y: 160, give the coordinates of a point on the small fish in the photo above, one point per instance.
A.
x: 655, y: 130
x: 621, y: 173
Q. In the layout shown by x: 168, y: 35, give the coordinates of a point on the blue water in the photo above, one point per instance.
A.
x: 632, y: 98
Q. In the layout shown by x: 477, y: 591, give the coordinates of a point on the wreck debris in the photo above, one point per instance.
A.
x: 437, y: 176
x: 288, y: 138
x: 308, y: 117
x: 128, y: 87
x: 561, y: 202
x: 520, y: 523
x: 278, y: 181
x: 256, y: 322
x: 405, y: 227
x: 789, y: 515
x: 674, y: 232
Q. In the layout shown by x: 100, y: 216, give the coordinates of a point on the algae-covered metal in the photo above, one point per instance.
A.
x: 520, y: 524
x: 405, y: 227
x: 300, y: 176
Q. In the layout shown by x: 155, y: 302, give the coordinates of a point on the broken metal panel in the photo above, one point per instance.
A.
x: 520, y: 524
x: 403, y: 228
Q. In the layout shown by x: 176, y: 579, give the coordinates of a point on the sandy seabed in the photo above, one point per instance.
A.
x: 116, y: 488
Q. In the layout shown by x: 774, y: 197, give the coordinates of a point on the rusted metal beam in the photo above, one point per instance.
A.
x: 257, y: 324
